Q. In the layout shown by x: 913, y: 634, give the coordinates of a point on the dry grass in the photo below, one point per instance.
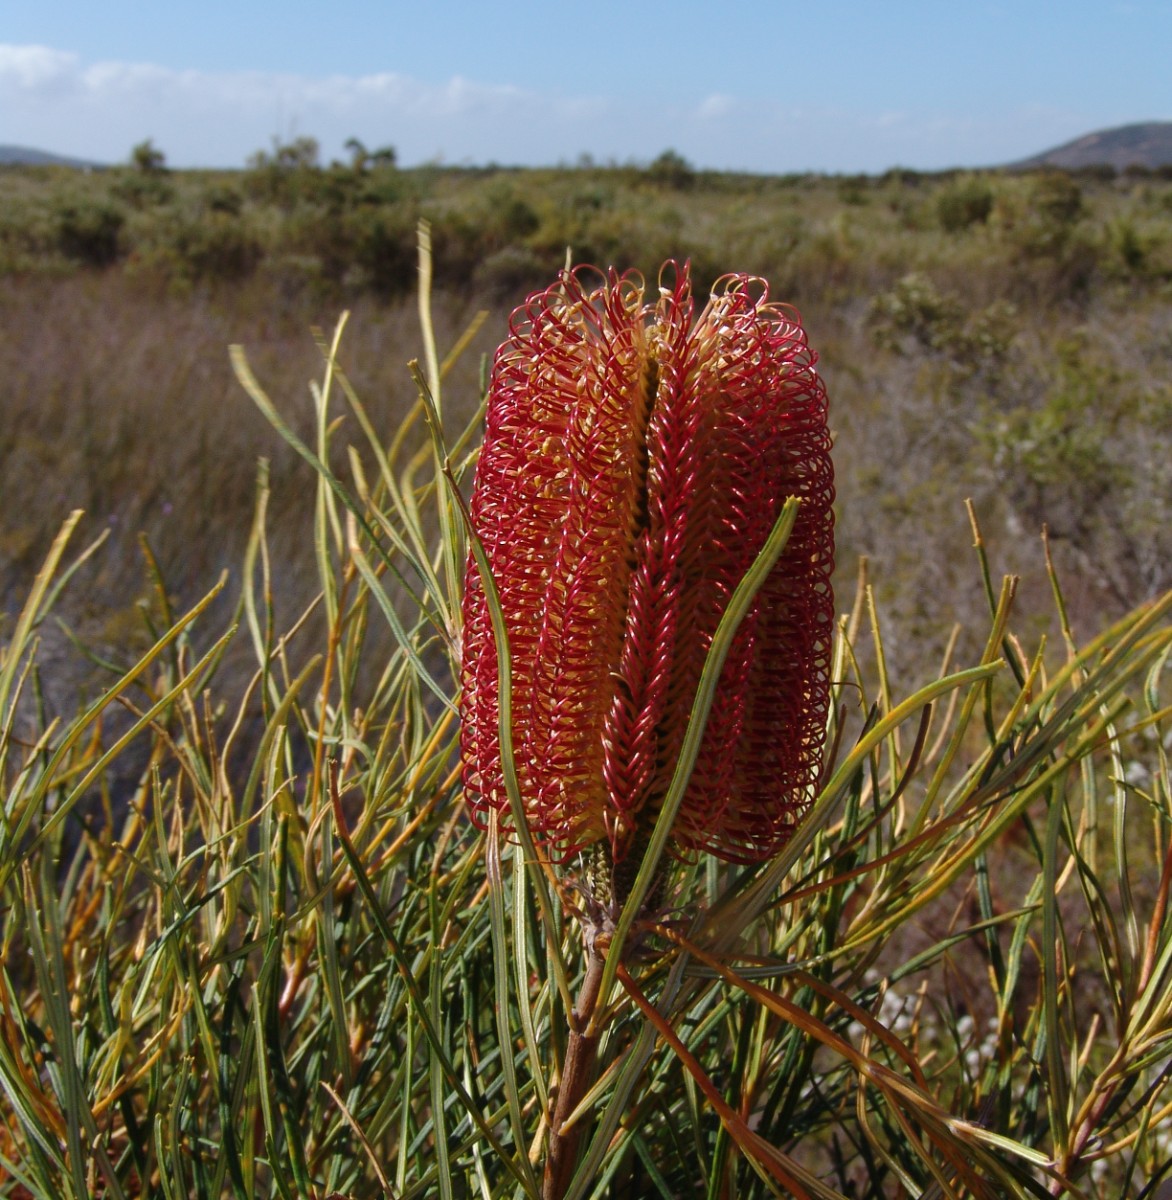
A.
x: 120, y: 401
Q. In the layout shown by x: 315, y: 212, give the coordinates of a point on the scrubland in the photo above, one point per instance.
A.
x: 1005, y: 338
x: 250, y: 945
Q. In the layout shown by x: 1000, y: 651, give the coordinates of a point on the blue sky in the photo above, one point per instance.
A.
x: 841, y: 85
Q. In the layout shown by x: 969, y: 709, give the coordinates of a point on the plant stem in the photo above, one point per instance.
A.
x: 576, y: 1079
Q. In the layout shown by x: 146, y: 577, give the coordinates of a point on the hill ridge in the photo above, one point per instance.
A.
x: 1139, y: 144
x: 28, y: 156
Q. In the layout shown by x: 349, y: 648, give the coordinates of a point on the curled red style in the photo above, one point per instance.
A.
x: 636, y: 457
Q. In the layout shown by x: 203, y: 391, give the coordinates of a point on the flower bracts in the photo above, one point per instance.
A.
x: 634, y: 463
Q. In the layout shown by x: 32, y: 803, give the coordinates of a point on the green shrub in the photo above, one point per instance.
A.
x: 672, y: 170
x: 968, y: 352
x: 221, y: 198
x: 218, y: 246
x: 1095, y: 173
x: 198, y: 245
x: 914, y: 309
x: 384, y: 249
x: 512, y: 272
x: 902, y: 177
x: 89, y: 231
x: 1041, y: 215
x: 963, y: 204
x: 854, y: 189
x: 1056, y: 198
x: 147, y: 158
x: 287, y: 174
x: 142, y: 190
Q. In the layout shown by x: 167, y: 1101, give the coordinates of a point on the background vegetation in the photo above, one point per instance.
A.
x: 252, y: 947
x: 995, y: 336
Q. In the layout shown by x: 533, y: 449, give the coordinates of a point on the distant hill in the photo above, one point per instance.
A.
x: 26, y: 156
x: 1148, y: 144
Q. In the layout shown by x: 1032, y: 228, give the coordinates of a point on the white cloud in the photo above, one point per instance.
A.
x: 51, y: 99
x: 716, y: 106
x: 889, y: 120
x: 33, y: 70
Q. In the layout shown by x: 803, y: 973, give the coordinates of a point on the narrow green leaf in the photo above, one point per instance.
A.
x: 1058, y: 1086
x: 738, y: 606
x: 502, y: 1000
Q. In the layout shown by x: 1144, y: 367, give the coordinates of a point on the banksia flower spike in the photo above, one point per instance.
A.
x: 636, y: 457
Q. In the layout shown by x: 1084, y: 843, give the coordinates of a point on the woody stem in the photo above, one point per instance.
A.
x: 576, y: 1079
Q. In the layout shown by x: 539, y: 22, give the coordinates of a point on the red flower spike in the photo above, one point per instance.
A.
x: 634, y: 463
